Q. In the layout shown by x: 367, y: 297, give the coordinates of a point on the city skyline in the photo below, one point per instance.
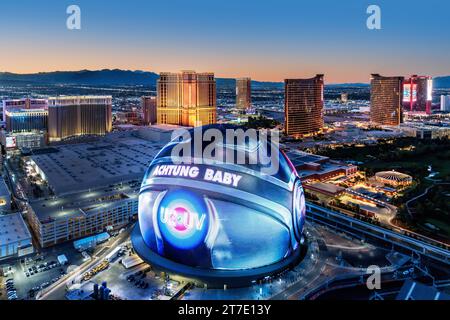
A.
x: 223, y: 151
x: 265, y: 42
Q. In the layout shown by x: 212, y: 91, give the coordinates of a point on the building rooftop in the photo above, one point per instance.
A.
x: 299, y: 158
x: 81, y: 204
x: 393, y: 175
x: 412, y: 290
x: 72, y: 168
x: 4, y: 190
x: 13, y: 229
x: 308, y: 164
x: 327, y: 188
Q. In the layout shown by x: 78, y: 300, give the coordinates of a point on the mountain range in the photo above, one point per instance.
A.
x: 118, y: 77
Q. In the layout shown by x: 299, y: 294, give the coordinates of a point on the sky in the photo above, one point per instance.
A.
x: 266, y: 40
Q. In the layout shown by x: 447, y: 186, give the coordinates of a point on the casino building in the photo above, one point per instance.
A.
x: 386, y: 95
x: 304, y: 106
x: 186, y: 99
x: 148, y: 105
x: 244, y: 93
x: 26, y: 123
x: 22, y: 104
x: 75, y: 116
x: 418, y: 94
x: 26, y: 120
x: 221, y: 223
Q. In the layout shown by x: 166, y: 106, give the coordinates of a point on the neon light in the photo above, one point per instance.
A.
x: 183, y: 219
x: 430, y: 90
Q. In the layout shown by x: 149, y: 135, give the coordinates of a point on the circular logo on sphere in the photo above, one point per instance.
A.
x: 183, y: 219
x: 180, y: 219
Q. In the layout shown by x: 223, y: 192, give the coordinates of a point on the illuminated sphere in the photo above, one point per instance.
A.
x: 216, y: 221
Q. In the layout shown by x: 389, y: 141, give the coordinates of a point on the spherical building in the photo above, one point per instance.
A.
x: 219, y: 221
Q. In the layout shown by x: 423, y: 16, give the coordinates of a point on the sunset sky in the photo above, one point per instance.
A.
x: 266, y: 40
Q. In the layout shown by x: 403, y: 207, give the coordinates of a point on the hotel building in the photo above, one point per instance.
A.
x: 26, y: 123
x: 70, y: 117
x: 26, y: 120
x: 445, y: 103
x: 187, y: 99
x: 148, y: 105
x: 21, y: 104
x: 386, y: 95
x: 304, y: 106
x: 418, y: 94
x: 244, y: 93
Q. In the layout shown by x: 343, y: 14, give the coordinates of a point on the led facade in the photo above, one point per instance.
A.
x: 418, y: 94
x: 221, y: 222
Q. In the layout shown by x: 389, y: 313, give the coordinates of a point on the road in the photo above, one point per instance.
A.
x: 422, y: 195
x: 13, y: 185
x: 310, y: 269
x: 57, y: 290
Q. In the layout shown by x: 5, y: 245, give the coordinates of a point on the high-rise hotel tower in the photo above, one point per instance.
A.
x: 304, y: 106
x: 244, y: 93
x: 386, y: 95
x: 70, y: 117
x: 187, y: 99
x: 148, y: 105
x: 418, y: 94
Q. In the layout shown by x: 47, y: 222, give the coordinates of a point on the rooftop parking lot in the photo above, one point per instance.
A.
x: 86, y: 166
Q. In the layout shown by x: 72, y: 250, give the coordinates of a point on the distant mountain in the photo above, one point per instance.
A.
x: 118, y: 77
x: 84, y: 77
x: 348, y: 85
x: 442, y: 82
x: 105, y: 77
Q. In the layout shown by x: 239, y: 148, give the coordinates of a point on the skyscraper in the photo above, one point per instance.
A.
x: 75, y: 116
x: 304, y: 106
x: 386, y: 95
x: 244, y: 93
x: 418, y: 94
x: 445, y: 103
x: 187, y: 99
x: 148, y: 105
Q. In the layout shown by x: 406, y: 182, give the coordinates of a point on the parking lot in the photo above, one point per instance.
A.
x: 137, y: 283
x: 38, y: 271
